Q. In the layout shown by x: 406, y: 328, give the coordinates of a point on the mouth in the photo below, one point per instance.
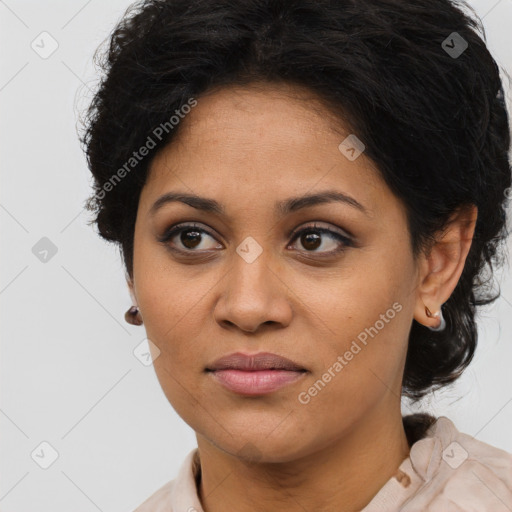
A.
x: 256, y: 374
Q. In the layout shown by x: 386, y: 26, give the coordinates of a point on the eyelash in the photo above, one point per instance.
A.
x: 179, y: 228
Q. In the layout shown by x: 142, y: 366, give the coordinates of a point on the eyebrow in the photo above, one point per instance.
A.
x: 282, y: 208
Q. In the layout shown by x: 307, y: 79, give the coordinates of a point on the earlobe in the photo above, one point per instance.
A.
x: 133, y: 315
x: 129, y: 282
x: 431, y: 317
x: 438, y: 314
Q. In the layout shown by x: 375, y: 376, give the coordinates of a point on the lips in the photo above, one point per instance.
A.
x: 256, y: 374
x: 254, y: 362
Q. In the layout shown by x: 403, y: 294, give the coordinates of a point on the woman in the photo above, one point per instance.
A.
x: 306, y: 195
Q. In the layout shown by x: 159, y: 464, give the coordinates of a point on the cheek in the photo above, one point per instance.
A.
x: 360, y: 307
x: 366, y: 319
x: 171, y: 297
x: 362, y: 371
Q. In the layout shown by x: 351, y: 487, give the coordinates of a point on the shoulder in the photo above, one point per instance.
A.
x: 159, y: 501
x: 459, y: 472
x: 179, y: 493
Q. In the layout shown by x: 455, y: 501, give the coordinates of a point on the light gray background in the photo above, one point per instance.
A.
x: 69, y: 376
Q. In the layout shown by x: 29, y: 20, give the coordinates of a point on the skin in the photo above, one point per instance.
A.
x: 248, y: 148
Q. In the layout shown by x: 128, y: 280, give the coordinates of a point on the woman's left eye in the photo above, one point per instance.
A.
x: 311, y: 239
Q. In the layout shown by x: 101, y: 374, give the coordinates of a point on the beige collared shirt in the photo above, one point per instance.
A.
x: 446, y: 471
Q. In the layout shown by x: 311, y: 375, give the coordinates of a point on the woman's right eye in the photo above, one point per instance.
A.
x: 189, y: 238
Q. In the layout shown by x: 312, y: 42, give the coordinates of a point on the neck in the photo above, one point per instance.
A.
x: 344, y: 476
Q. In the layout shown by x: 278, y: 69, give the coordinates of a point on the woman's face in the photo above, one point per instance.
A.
x: 338, y: 304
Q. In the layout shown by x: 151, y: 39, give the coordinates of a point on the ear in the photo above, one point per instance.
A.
x: 131, y: 289
x: 441, y: 268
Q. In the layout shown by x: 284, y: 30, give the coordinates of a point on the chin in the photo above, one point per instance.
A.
x: 252, y: 448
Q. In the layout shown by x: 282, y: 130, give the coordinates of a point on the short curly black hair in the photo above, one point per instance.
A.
x: 413, y: 80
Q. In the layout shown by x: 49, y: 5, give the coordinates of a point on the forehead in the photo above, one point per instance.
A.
x: 258, y: 113
x: 241, y: 141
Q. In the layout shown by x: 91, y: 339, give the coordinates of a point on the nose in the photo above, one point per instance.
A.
x: 252, y: 296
